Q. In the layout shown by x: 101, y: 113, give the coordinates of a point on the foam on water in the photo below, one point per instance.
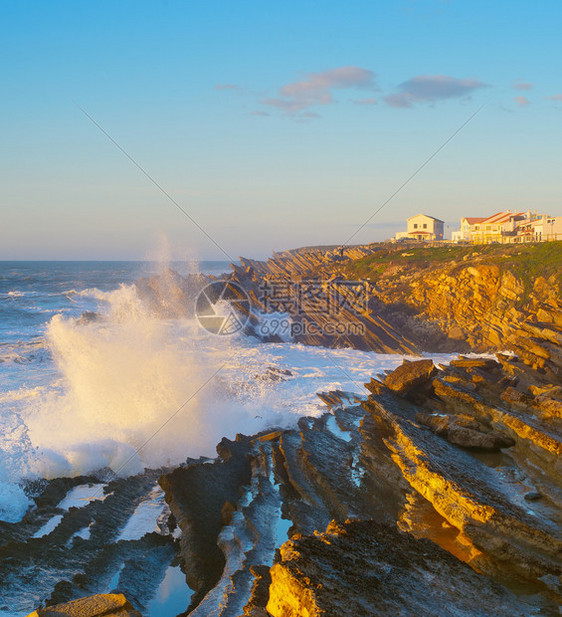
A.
x: 131, y: 390
x: 145, y: 517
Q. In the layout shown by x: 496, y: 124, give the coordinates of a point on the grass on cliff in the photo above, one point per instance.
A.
x: 525, y: 261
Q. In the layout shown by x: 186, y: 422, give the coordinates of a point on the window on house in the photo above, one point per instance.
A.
x: 415, y: 225
x: 488, y: 227
x: 425, y: 225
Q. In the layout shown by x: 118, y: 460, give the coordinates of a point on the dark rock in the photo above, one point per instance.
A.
x: 200, y: 497
x: 410, y: 376
x: 469, y: 438
x: 533, y: 496
x: 260, y: 592
x: 366, y: 569
x: 87, y: 317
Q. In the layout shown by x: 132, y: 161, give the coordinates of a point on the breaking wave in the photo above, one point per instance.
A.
x: 128, y: 389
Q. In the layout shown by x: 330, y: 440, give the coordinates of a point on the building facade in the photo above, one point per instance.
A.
x: 468, y: 225
x: 422, y: 228
x: 509, y: 227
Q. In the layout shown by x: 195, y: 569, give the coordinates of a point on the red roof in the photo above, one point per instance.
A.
x: 499, y: 217
x: 474, y: 219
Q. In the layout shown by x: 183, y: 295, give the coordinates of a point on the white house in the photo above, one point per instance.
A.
x: 422, y: 228
x: 543, y: 228
x: 468, y: 225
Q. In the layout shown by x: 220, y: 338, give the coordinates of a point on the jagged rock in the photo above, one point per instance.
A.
x: 464, y: 432
x: 469, y: 438
x: 366, y: 569
x: 260, y: 592
x: 438, y: 423
x: 467, y: 493
x: 550, y: 390
x: 410, y: 376
x: 527, y: 430
x: 101, y: 605
x: 201, y: 498
x: 479, y: 363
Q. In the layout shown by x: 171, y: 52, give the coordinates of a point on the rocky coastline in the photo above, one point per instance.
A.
x: 437, y: 492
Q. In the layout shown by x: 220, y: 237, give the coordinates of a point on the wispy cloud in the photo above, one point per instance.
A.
x: 432, y: 88
x: 522, y: 85
x: 257, y: 112
x: 521, y: 101
x: 365, y: 101
x: 316, y: 89
x: 553, y: 97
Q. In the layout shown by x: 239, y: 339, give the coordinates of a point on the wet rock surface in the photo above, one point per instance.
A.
x: 87, y: 535
x: 438, y: 492
x: 349, y: 570
x: 433, y: 519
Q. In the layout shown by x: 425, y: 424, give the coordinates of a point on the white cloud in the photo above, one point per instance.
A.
x: 522, y: 85
x: 365, y: 101
x: 432, y: 88
x: 316, y: 89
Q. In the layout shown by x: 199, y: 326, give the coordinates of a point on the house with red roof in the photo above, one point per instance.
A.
x: 422, y: 228
x: 508, y: 227
x: 468, y: 224
x: 498, y: 228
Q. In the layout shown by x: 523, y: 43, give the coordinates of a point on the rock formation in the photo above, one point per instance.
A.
x: 102, y: 605
x: 438, y: 492
x: 397, y: 490
x: 504, y: 297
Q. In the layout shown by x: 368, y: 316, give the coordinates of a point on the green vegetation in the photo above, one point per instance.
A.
x: 526, y: 261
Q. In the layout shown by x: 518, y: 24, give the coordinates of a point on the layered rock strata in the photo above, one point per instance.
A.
x: 387, y: 490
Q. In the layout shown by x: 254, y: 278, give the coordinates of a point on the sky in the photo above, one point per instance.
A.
x: 211, y: 129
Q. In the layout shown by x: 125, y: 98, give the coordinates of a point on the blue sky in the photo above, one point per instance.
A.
x: 273, y: 124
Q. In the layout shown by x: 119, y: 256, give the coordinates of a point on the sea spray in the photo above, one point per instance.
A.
x: 124, y: 375
x: 15, y: 458
x: 138, y: 384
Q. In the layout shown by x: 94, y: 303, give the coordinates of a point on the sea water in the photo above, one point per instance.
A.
x: 130, y: 390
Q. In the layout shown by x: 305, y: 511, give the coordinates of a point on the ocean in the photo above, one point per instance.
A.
x: 79, y: 395
x: 131, y: 391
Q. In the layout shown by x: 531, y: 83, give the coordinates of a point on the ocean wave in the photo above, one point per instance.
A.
x: 131, y: 391
x: 22, y: 352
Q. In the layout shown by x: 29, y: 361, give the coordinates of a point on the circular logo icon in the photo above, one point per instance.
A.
x: 222, y: 307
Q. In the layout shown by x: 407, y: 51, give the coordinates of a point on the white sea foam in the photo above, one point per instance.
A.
x: 77, y: 497
x: 146, y: 516
x: 134, y: 391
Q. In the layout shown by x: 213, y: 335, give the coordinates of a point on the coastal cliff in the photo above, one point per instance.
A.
x: 467, y: 298
x: 439, y: 493
x: 436, y: 491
